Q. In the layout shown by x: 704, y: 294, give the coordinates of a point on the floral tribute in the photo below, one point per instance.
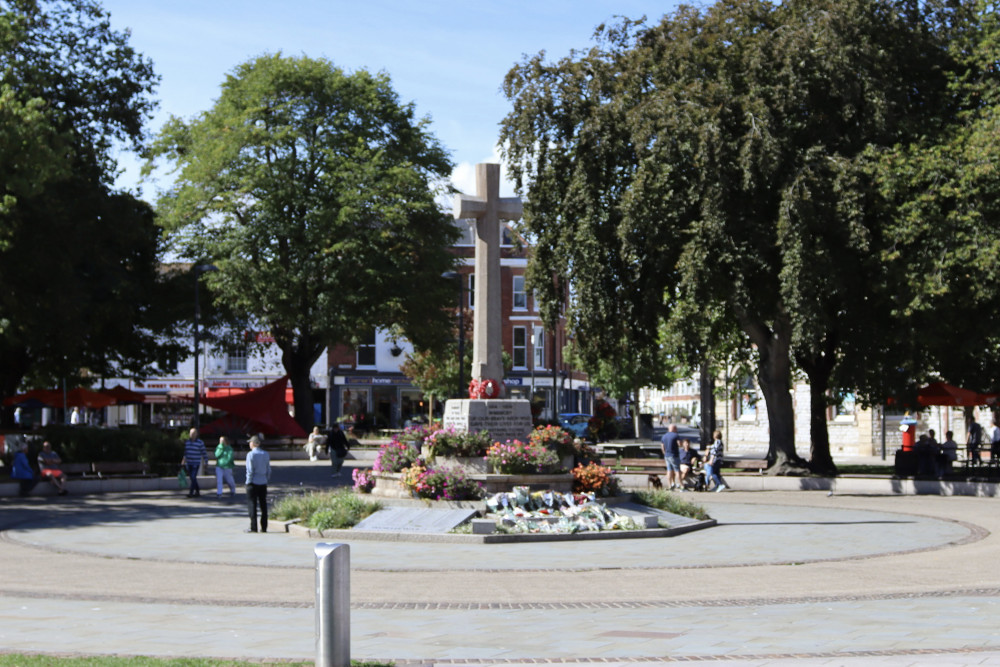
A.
x: 485, y: 388
x: 515, y: 458
x: 364, y: 480
x: 557, y: 439
x: 603, y: 422
x: 441, y: 483
x: 395, y: 456
x: 449, y: 442
x: 523, y: 511
x: 595, y: 479
x: 415, y: 436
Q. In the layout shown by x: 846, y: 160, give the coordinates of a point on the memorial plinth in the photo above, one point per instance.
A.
x: 504, y: 418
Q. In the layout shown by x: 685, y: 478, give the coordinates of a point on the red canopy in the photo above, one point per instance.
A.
x: 74, y: 398
x: 265, y: 407
x: 123, y: 395
x: 942, y: 393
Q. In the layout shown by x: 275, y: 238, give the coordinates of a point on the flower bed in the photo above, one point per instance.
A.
x: 516, y: 457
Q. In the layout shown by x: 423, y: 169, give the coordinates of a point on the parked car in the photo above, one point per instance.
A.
x: 576, y: 423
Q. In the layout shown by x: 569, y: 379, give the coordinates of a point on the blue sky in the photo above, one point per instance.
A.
x: 447, y: 57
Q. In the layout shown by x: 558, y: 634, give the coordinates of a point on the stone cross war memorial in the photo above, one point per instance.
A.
x: 486, y: 409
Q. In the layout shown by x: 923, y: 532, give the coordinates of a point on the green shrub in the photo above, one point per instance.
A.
x: 670, y: 502
x: 448, y: 442
x: 327, y: 509
x: 84, y: 444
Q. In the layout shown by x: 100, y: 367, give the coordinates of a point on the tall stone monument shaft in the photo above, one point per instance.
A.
x: 508, y: 419
x: 488, y: 208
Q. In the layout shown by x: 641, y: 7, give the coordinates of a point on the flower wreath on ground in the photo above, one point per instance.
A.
x: 524, y: 511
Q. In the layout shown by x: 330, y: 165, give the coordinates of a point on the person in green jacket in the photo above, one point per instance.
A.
x: 224, y: 464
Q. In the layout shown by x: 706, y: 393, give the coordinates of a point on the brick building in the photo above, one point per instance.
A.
x: 368, y: 380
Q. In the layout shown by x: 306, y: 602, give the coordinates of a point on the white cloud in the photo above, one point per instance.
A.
x: 463, y: 176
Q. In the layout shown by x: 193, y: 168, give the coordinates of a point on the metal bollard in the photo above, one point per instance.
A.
x: 333, y: 605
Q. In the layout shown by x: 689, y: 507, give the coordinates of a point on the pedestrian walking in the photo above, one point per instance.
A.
x: 973, y: 439
x: 194, y: 456
x: 224, y: 464
x: 713, y: 463
x: 337, y: 445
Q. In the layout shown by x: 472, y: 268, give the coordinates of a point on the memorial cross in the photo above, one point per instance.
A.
x: 488, y: 208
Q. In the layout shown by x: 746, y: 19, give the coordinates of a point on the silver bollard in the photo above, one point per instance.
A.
x: 333, y: 605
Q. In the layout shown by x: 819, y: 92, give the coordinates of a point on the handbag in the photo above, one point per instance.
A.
x: 182, y: 479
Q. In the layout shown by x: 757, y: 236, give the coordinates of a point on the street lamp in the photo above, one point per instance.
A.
x: 454, y: 275
x: 198, y: 270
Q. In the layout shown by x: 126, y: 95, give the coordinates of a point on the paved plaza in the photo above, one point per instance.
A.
x: 802, y: 578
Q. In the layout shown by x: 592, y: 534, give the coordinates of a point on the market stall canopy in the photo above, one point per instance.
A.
x: 123, y: 396
x: 220, y: 392
x: 265, y: 407
x: 942, y: 393
x: 74, y: 398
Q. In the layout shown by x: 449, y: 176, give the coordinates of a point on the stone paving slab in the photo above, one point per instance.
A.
x: 804, y: 533
x: 786, y: 578
x: 442, y: 635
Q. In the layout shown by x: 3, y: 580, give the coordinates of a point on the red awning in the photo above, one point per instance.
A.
x: 265, y: 407
x: 942, y: 393
x: 74, y: 398
x: 221, y: 392
x: 123, y: 395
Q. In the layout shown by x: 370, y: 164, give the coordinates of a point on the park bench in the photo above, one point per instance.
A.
x: 744, y: 463
x: 656, y: 465
x: 652, y: 464
x: 121, y: 469
x: 76, y: 469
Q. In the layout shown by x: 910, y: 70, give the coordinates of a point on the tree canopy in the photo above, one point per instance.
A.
x: 719, y: 169
x: 313, y: 192
x: 79, y: 261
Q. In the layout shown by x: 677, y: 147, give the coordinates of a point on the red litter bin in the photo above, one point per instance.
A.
x: 908, y: 427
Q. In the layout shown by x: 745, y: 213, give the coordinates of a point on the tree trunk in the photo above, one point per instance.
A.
x: 818, y: 369
x: 636, y: 417
x: 774, y: 375
x: 821, y: 460
x: 298, y: 365
x: 706, y: 388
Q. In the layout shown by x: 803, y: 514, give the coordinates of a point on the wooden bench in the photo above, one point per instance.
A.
x: 656, y: 465
x: 121, y: 469
x: 744, y: 463
x: 648, y: 465
x: 76, y: 469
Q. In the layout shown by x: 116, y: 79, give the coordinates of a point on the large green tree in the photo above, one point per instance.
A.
x: 79, y: 261
x: 942, y: 199
x: 722, y: 155
x: 313, y: 192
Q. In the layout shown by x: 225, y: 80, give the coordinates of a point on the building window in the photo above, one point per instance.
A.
x: 844, y: 406
x: 538, y: 347
x: 236, y: 361
x: 746, y: 407
x: 472, y: 290
x: 366, y: 350
x: 520, y: 351
x: 520, y: 296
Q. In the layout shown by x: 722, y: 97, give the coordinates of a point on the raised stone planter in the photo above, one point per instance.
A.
x: 390, y: 485
x: 471, y: 464
x: 493, y: 483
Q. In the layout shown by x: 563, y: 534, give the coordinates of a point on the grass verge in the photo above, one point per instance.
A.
x: 326, y: 510
x: 670, y: 502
